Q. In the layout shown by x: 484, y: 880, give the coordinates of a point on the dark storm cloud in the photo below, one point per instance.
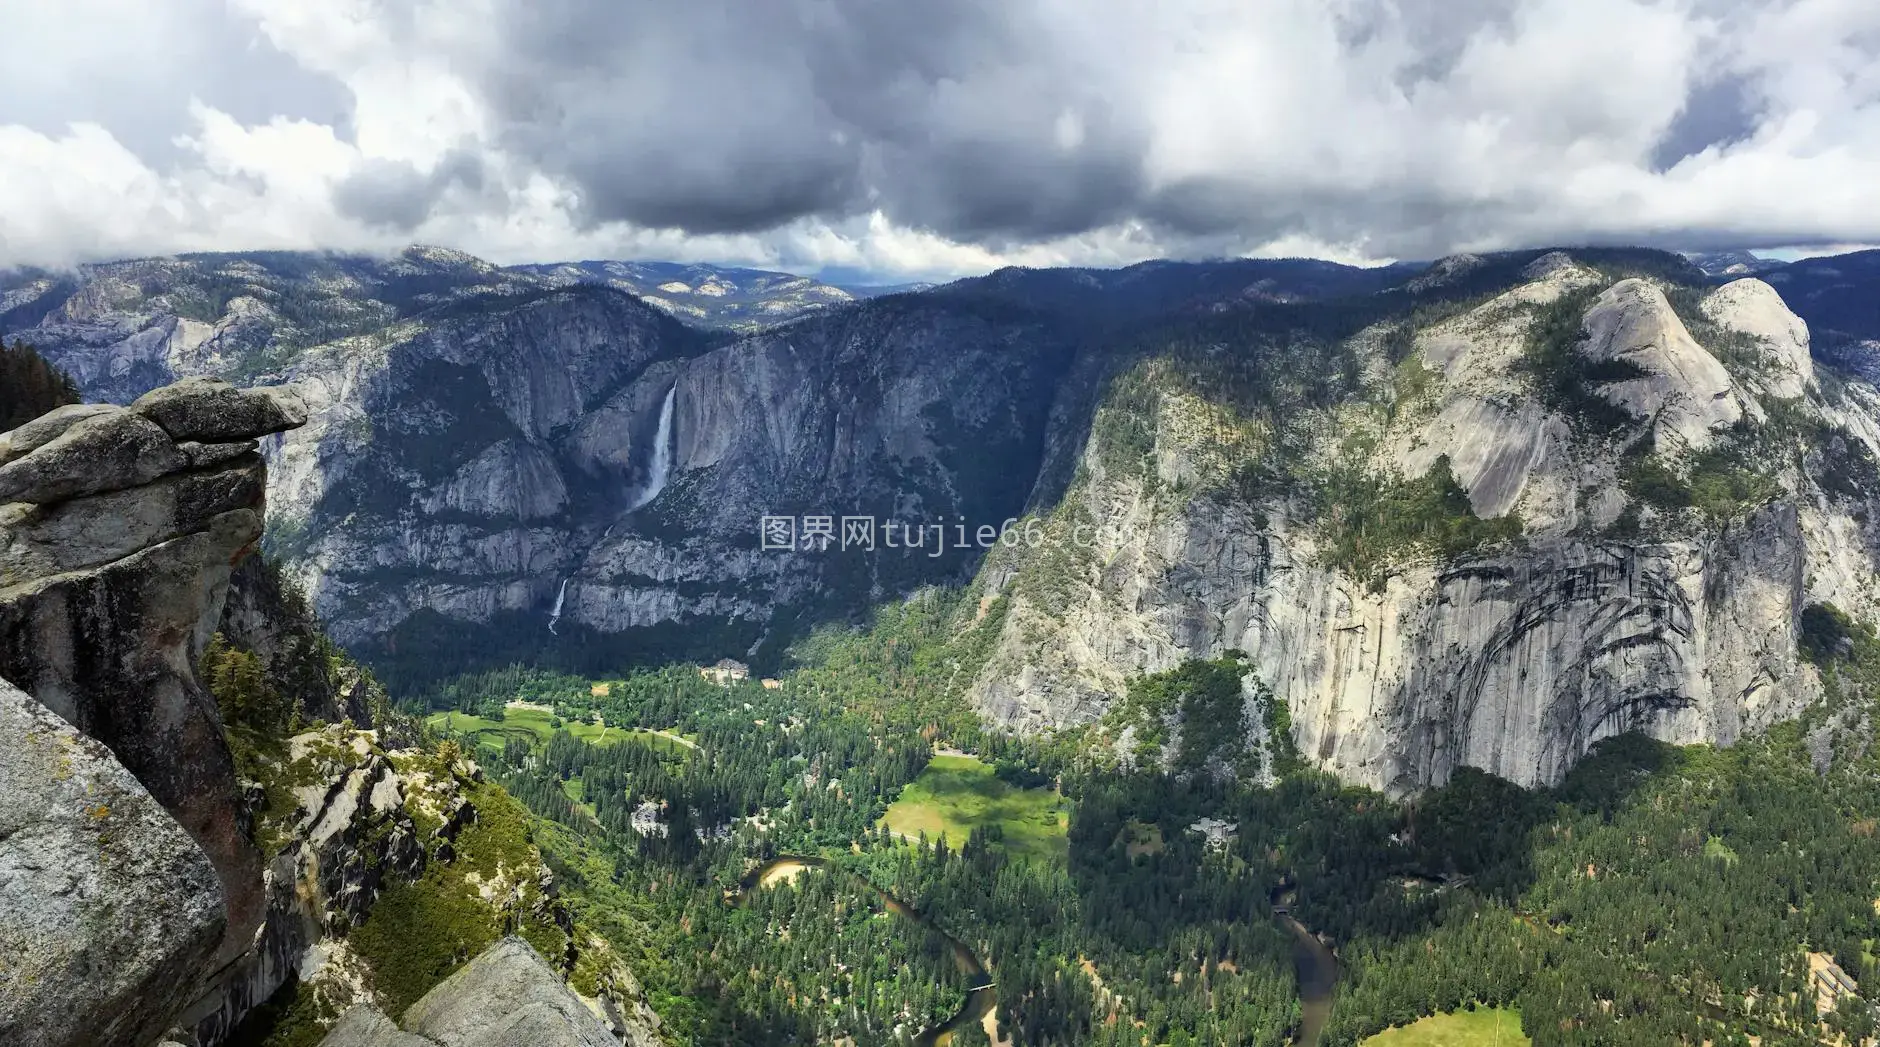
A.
x: 969, y: 119
x: 934, y: 137
x: 395, y: 195
x: 721, y: 116
x: 698, y: 116
x: 1719, y: 113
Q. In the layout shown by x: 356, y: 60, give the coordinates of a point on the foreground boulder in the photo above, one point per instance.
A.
x: 506, y: 997
x: 208, y: 410
x: 106, y: 904
x: 104, y: 452
x: 365, y: 1026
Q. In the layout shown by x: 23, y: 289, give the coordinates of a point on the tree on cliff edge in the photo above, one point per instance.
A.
x: 29, y: 386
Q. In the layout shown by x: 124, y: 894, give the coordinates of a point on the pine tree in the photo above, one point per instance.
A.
x: 29, y: 386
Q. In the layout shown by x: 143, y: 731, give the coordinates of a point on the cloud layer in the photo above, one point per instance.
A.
x: 937, y: 138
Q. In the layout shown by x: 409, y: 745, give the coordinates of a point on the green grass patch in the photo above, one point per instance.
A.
x: 536, y: 727
x: 957, y: 794
x: 1487, y: 1027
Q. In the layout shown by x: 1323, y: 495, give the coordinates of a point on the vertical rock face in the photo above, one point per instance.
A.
x: 115, y: 551
x: 1513, y: 658
x: 1515, y: 664
x: 106, y: 904
x: 460, y: 474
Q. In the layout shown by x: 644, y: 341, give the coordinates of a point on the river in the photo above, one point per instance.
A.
x: 1316, y: 970
x: 980, y: 1000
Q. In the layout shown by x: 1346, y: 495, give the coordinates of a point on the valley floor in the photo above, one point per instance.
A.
x: 1487, y: 1027
x: 957, y: 794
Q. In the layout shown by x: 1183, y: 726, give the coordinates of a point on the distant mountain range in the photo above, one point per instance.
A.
x: 1733, y: 263
x: 710, y: 296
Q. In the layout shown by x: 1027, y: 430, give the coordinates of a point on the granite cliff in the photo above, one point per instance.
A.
x: 1641, y: 504
x: 209, y: 800
x: 120, y: 529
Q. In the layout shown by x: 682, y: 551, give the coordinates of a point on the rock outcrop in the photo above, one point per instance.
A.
x: 343, y: 830
x: 145, y: 887
x: 119, y: 531
x: 1753, y: 308
x: 345, y: 816
x: 1682, y: 390
x: 365, y: 1026
x: 106, y: 904
x: 506, y: 997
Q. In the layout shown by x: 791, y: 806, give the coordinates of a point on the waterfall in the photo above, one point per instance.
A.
x: 661, y: 465
x: 555, y: 615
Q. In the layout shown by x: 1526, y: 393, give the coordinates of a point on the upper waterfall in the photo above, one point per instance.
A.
x: 661, y: 465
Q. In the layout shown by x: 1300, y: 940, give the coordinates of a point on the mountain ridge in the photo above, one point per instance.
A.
x: 986, y: 400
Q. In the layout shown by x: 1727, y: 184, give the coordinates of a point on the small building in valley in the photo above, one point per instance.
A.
x: 725, y: 672
x: 1832, y: 984
x: 1215, y: 831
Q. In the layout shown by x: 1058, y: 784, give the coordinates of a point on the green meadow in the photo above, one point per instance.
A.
x: 957, y: 794
x: 1486, y: 1027
x: 535, y: 727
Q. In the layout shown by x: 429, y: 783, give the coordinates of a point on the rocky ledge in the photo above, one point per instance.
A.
x: 148, y: 889
x: 126, y: 876
x: 104, y: 900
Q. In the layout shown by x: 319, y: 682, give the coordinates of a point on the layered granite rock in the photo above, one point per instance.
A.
x: 106, y: 904
x: 143, y: 887
x: 119, y: 529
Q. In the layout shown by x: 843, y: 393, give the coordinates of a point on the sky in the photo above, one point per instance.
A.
x: 916, y: 140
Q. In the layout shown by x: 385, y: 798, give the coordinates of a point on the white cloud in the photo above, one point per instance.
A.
x: 935, y: 140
